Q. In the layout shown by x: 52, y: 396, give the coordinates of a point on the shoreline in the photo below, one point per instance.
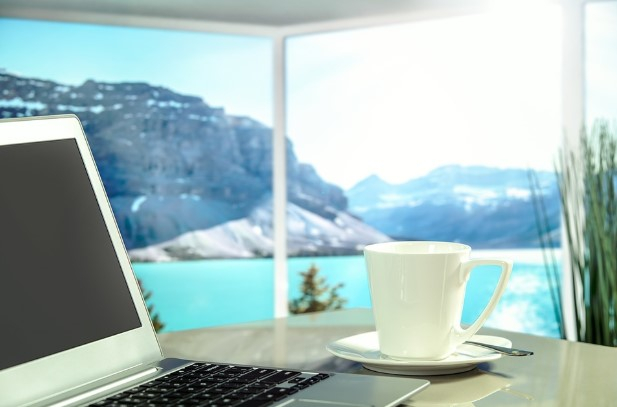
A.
x: 534, y: 256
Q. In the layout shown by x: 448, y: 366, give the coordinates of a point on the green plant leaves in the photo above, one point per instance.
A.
x: 587, y: 177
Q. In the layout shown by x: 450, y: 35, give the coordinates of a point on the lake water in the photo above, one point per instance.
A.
x: 203, y: 293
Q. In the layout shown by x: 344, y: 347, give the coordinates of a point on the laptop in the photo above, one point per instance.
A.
x: 74, y: 326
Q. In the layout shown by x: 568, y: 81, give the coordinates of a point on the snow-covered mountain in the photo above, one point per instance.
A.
x: 482, y: 206
x: 308, y: 234
x: 188, y: 178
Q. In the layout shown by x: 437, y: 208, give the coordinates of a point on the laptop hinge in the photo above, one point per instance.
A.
x: 106, y: 388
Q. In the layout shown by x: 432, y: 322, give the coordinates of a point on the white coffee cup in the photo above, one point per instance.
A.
x: 417, y: 293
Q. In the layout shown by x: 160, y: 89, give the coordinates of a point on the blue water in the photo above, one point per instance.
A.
x: 203, y: 293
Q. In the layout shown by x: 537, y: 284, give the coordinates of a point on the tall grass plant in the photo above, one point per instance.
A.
x: 586, y: 176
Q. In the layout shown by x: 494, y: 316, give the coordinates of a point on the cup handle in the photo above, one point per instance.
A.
x: 460, y: 334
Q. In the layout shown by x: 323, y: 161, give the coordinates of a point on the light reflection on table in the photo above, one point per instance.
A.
x: 560, y: 373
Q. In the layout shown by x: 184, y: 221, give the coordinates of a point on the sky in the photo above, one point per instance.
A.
x: 227, y: 71
x: 400, y: 101
x: 601, y: 55
x: 397, y: 101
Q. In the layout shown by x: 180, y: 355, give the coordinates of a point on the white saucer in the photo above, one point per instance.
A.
x: 364, y: 348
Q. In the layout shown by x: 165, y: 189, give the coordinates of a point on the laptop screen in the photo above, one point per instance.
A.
x: 57, y: 262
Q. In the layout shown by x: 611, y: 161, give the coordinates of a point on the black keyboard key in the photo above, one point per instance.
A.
x: 236, y: 371
x: 205, y: 384
x: 246, y: 392
x: 169, y: 400
x: 257, y: 374
x: 278, y: 393
x: 206, y: 396
x: 130, y: 401
x: 221, y: 391
x: 255, y: 403
x: 260, y: 385
x: 281, y: 376
x: 231, y: 385
x: 209, y: 368
x: 192, y: 402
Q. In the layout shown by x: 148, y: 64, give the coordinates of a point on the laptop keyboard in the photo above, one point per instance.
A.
x: 208, y: 384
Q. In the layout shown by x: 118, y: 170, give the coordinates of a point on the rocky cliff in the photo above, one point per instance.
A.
x: 173, y: 166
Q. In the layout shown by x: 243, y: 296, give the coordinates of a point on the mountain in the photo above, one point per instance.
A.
x: 309, y: 235
x: 176, y: 168
x: 481, y: 206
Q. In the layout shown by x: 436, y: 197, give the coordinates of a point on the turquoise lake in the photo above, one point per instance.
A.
x: 204, y: 293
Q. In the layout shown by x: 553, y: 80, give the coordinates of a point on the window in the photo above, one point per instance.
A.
x: 429, y: 130
x: 179, y: 126
x: 423, y: 130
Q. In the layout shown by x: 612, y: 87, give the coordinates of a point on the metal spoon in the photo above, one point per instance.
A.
x: 501, y: 349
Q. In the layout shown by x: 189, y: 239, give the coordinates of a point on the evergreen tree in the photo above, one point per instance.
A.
x: 316, y: 295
